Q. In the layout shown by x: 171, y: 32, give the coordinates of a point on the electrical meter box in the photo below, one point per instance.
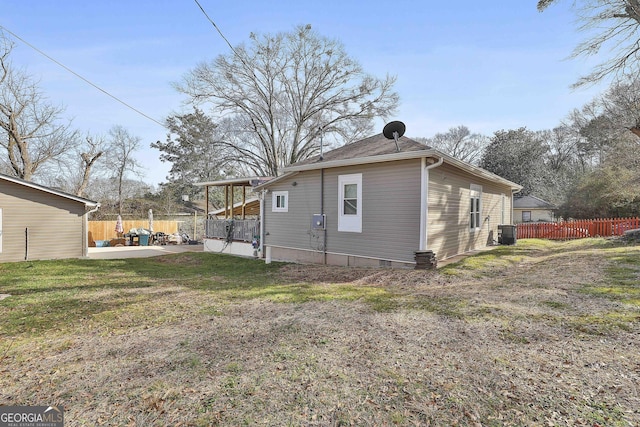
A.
x: 318, y: 222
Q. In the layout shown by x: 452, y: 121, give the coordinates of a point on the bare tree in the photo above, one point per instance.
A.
x: 608, y: 120
x: 31, y: 133
x: 120, y: 158
x: 460, y: 143
x: 562, y: 143
x: 75, y: 171
x: 614, y: 25
x: 282, y: 92
x: 621, y: 105
x: 89, y: 157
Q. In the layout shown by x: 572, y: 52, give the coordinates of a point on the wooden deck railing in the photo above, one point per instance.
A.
x: 577, y: 229
x: 237, y: 230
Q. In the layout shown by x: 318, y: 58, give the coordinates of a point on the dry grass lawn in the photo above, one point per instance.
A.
x: 540, y: 334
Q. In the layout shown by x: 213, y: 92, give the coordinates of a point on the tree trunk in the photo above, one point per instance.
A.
x: 88, y: 162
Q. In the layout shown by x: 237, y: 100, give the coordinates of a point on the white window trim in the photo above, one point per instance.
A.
x: 350, y: 223
x: 0, y: 230
x: 476, y: 193
x: 274, y: 199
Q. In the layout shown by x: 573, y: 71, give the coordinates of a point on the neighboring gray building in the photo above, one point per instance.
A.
x: 368, y: 204
x: 37, y: 222
x: 533, y: 209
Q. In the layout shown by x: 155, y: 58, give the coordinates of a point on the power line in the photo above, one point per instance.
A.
x: 235, y: 52
x: 80, y: 77
x: 216, y: 27
x: 247, y: 66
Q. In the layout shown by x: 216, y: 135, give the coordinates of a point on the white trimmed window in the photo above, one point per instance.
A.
x: 476, y: 207
x: 280, y: 201
x: 350, y: 203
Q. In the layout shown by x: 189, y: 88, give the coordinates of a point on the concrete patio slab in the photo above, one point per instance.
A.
x: 120, y: 252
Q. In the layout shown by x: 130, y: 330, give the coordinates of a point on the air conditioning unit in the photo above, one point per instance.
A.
x: 507, y: 234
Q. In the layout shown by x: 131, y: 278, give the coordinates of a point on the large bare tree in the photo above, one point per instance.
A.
x: 612, y: 26
x: 460, y: 143
x: 282, y: 93
x: 31, y: 133
x: 120, y: 159
x: 609, y: 119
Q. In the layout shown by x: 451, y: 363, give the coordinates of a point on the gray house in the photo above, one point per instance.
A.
x: 371, y: 203
x: 37, y: 222
x: 532, y: 209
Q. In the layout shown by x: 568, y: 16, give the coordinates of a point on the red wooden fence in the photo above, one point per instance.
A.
x: 577, y: 229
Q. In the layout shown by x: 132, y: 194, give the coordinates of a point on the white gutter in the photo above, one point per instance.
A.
x: 94, y: 209
x: 85, y: 235
x: 424, y: 200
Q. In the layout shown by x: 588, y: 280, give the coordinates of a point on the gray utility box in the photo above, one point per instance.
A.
x: 507, y: 234
x: 318, y: 222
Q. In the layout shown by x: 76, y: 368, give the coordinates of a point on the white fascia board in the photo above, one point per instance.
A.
x: 246, y: 180
x: 362, y: 160
x: 274, y: 180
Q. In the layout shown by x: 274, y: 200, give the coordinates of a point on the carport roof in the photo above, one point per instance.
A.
x: 248, y: 182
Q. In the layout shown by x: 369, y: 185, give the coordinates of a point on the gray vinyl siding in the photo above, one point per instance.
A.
x: 293, y: 228
x: 390, y: 212
x: 54, y: 224
x: 448, y: 221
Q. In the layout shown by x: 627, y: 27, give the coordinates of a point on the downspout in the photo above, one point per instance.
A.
x: 85, y: 234
x: 324, y: 234
x: 262, y: 221
x: 324, y: 238
x: 424, y: 203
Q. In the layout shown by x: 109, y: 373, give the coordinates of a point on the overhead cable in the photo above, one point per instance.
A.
x: 80, y: 77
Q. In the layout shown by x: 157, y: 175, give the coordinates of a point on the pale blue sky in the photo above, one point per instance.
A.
x: 491, y: 65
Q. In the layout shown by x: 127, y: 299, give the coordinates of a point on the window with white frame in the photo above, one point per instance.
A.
x: 526, y: 216
x: 350, y: 203
x: 476, y: 207
x: 280, y: 201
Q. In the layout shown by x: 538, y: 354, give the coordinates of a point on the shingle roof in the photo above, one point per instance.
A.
x: 373, y: 146
x: 531, y: 202
x: 378, y: 149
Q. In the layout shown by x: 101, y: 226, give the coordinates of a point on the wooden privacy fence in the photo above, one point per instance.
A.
x: 577, y: 229
x: 106, y: 230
